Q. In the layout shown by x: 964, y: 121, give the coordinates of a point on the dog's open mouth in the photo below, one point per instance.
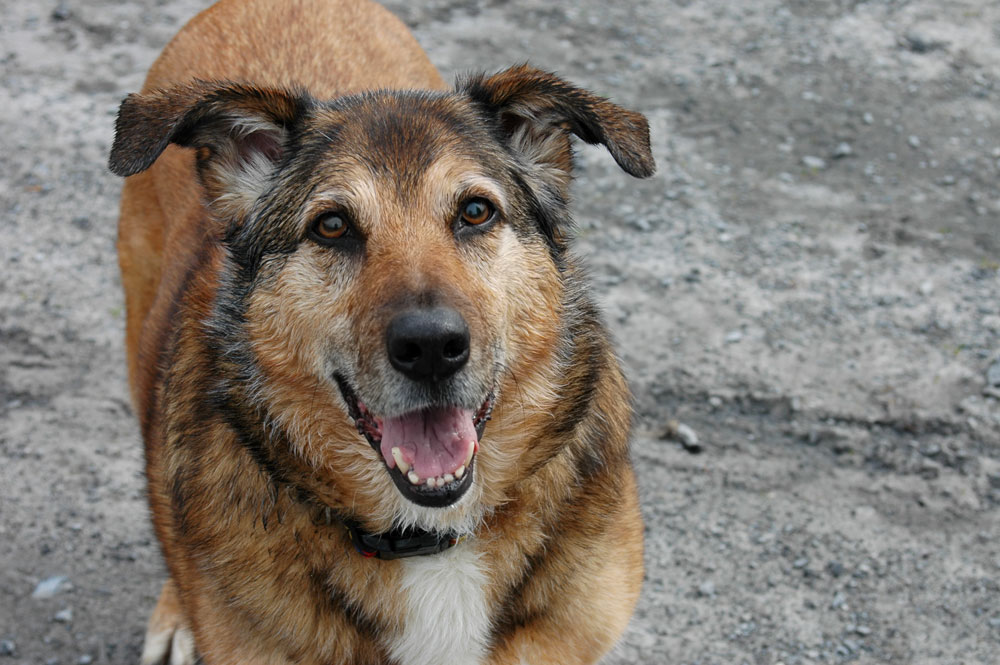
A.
x: 430, y: 454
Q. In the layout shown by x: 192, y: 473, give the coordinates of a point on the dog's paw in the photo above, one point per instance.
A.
x: 169, y: 640
x: 172, y: 647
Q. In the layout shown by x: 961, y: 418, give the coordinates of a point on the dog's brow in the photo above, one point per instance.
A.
x: 361, y: 195
x: 448, y: 181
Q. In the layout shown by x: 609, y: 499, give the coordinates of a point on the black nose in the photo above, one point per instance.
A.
x: 428, y: 344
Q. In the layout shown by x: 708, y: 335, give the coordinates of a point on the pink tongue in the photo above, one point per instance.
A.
x: 433, y: 442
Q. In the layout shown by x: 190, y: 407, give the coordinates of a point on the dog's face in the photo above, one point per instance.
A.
x: 394, y: 267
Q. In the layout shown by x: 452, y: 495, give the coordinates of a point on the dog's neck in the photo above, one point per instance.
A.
x: 398, y: 543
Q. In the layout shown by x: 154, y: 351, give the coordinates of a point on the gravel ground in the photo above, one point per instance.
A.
x: 807, y: 298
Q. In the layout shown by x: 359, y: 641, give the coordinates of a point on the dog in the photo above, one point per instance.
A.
x: 383, y: 421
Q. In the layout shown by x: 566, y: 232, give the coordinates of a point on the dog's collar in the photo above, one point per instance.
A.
x: 399, y: 543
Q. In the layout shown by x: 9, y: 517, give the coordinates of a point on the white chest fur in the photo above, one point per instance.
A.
x: 446, y: 620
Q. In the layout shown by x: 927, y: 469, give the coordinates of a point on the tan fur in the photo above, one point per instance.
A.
x: 252, y: 564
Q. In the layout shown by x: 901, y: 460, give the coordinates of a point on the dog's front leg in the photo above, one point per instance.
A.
x: 169, y: 640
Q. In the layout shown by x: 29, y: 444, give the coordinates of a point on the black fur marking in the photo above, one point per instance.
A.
x: 513, y: 615
x: 335, y: 601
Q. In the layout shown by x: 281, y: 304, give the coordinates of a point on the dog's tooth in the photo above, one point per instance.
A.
x: 414, y: 478
x: 448, y: 478
x: 430, y: 482
x: 472, y: 451
x: 397, y: 455
x: 460, y: 471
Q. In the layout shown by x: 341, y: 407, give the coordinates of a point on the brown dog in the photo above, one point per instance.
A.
x: 383, y: 422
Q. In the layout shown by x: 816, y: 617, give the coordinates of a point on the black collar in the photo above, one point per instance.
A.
x: 399, y: 543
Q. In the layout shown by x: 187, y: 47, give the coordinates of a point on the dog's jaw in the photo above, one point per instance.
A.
x: 438, y: 491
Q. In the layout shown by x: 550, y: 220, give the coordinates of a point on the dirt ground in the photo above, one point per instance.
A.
x: 810, y: 285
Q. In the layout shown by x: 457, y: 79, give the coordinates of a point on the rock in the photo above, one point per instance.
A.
x: 734, y: 337
x: 993, y: 374
x: 913, y: 141
x: 868, y: 118
x: 917, y: 43
x: 688, y: 437
x: 926, y: 288
x: 813, y: 162
x: 706, y: 589
x: 48, y: 588
x: 85, y: 659
x: 842, y: 150
x: 8, y: 648
x: 64, y: 616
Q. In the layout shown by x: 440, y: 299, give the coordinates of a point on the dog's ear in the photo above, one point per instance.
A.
x: 535, y: 109
x: 239, y: 134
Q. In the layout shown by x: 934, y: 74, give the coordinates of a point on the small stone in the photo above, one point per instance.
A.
x: 814, y: 162
x: 61, y: 12
x: 993, y: 375
x: 641, y: 224
x: 715, y: 401
x: 688, y: 437
x: 835, y: 568
x: 863, y: 631
x: 868, y: 118
x: 48, y: 588
x: 801, y: 562
x: 734, y: 337
x: 706, y: 589
x: 64, y: 616
x: 8, y: 648
x: 913, y: 141
x: 917, y: 43
x: 926, y: 288
x: 85, y: 659
x: 842, y: 150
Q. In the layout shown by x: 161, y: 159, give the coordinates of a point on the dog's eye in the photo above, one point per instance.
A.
x: 477, y: 211
x: 330, y: 226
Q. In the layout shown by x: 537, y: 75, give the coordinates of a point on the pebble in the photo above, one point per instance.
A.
x: 64, y: 616
x: 913, y: 141
x: 868, y: 118
x: 85, y: 659
x: 843, y: 149
x: 993, y: 374
x: 926, y: 288
x: 814, y: 162
x: 706, y: 589
x: 8, y: 648
x: 48, y: 588
x: 734, y: 337
x: 685, y: 434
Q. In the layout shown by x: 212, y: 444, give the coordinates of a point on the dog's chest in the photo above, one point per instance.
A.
x: 446, y: 615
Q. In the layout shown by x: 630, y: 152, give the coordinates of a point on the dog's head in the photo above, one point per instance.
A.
x: 395, y: 264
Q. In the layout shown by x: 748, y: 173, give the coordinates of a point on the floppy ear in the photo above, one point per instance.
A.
x: 239, y: 132
x: 535, y: 109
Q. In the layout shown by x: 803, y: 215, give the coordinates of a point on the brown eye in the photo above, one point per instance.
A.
x: 330, y: 226
x: 477, y: 211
